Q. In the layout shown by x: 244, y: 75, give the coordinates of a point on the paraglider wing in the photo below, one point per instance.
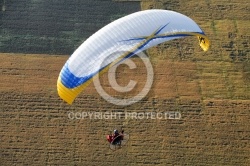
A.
x: 122, y: 39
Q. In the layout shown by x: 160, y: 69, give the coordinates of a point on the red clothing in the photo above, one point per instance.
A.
x: 110, y: 138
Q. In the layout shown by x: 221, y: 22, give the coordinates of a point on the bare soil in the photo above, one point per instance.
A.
x: 36, y: 128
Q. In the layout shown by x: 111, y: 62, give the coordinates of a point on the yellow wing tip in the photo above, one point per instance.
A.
x: 204, y: 42
x: 64, y: 93
x: 65, y: 98
x: 67, y: 94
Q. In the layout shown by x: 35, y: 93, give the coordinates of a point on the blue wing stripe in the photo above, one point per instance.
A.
x: 69, y: 80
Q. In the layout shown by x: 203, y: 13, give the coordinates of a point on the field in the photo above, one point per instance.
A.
x: 36, y: 128
x: 210, y: 90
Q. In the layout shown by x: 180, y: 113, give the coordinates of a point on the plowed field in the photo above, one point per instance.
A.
x: 36, y: 128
